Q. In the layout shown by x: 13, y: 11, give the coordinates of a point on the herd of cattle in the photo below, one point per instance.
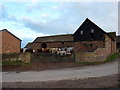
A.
x: 58, y: 51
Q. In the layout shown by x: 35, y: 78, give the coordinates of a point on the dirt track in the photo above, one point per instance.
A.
x: 99, y: 82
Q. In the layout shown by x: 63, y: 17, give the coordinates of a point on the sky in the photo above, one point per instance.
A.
x: 33, y: 18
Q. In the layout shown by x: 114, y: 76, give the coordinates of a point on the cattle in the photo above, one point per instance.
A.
x: 58, y: 51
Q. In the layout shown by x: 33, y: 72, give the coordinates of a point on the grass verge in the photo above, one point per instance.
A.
x: 7, y: 63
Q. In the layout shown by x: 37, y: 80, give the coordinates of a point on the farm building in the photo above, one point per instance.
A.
x: 55, y: 41
x: 118, y: 42
x: 89, y: 42
x: 9, y: 42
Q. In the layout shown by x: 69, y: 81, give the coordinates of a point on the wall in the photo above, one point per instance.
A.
x: 60, y: 44
x: 88, y: 46
x: 99, y: 54
x: 37, y: 57
x: 23, y: 57
x: 49, y: 57
x: 10, y: 44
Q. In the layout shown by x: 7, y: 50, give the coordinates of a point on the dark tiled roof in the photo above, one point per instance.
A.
x: 112, y: 35
x: 54, y: 38
x: 5, y: 30
x: 118, y: 39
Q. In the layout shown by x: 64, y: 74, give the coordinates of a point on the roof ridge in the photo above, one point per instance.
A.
x: 55, y: 35
x: 5, y: 30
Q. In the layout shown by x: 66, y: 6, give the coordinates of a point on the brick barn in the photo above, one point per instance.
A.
x: 9, y: 42
x: 55, y: 41
x: 89, y: 42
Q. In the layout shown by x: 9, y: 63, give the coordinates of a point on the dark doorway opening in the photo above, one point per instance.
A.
x: 43, y: 45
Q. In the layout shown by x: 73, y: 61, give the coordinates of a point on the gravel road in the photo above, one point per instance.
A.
x: 98, y: 82
x: 62, y: 74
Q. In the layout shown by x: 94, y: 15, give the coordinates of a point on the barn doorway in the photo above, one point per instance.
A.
x: 43, y: 45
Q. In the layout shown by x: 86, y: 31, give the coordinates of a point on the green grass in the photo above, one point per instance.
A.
x: 7, y: 63
x: 110, y: 58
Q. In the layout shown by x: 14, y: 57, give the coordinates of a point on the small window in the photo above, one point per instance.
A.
x: 81, y: 32
x: 92, y: 30
x: 91, y: 44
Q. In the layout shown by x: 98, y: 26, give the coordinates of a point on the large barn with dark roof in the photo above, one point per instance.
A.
x: 87, y: 38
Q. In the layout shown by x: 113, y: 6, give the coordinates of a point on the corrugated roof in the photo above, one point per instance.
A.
x: 54, y: 38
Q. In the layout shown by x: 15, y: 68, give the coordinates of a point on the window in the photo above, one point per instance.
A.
x: 92, y: 33
x: 92, y: 30
x: 43, y: 45
x: 81, y: 32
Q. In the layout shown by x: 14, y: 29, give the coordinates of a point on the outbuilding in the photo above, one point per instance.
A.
x: 9, y: 43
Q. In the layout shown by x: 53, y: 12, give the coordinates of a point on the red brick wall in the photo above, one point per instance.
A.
x: 60, y: 44
x: 36, y: 46
x: 101, y: 53
x: 9, y: 43
x: 86, y: 46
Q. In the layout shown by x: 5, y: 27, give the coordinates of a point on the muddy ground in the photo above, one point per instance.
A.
x: 94, y: 82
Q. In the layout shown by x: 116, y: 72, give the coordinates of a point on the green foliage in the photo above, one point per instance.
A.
x: 112, y: 57
x: 10, y: 55
x: 6, y: 63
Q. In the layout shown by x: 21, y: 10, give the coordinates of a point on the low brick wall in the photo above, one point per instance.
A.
x: 49, y: 57
x: 23, y: 57
x: 89, y: 57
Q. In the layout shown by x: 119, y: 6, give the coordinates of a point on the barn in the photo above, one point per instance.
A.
x: 9, y: 42
x: 89, y: 42
x: 55, y: 41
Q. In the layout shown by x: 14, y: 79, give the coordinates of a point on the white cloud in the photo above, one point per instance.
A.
x: 55, y: 7
x: 35, y: 1
x: 44, y: 15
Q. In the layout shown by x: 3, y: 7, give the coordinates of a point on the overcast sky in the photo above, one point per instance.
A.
x: 28, y: 20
